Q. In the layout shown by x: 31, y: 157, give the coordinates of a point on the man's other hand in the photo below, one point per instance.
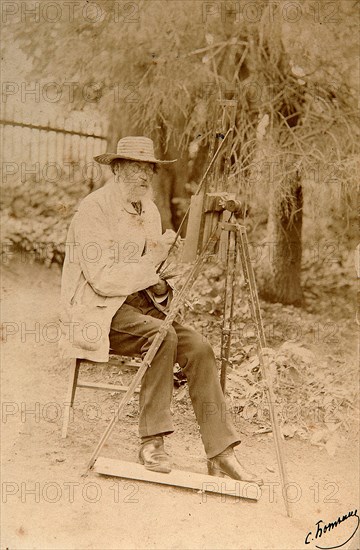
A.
x: 160, y: 288
x: 168, y: 237
x: 160, y: 249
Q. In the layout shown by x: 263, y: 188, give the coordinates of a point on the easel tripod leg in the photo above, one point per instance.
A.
x: 228, y: 309
x: 254, y: 303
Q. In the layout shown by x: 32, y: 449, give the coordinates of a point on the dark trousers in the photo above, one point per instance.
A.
x: 133, y: 329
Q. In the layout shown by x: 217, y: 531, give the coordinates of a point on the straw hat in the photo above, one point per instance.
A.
x: 133, y: 148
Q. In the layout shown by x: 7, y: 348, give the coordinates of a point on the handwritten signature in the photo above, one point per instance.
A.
x: 322, y: 528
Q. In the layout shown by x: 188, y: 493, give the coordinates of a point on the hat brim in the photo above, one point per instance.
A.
x: 107, y: 158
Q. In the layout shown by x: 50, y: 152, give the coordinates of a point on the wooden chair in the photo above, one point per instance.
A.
x: 74, y: 382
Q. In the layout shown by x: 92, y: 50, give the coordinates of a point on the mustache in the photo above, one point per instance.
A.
x: 132, y: 193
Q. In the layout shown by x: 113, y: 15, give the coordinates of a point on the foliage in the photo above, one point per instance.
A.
x: 311, y: 355
x: 161, y: 73
x: 171, y: 64
x: 313, y: 397
x: 36, y: 216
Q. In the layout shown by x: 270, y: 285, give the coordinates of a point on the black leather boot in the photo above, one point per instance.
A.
x: 153, y: 456
x: 226, y: 463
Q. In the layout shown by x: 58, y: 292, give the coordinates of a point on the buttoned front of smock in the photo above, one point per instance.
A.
x: 108, y: 256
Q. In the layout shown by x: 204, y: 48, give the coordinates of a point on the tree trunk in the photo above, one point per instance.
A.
x: 280, y: 280
x: 163, y: 185
x: 169, y: 184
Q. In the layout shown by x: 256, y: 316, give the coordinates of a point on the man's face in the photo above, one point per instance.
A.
x: 137, y: 177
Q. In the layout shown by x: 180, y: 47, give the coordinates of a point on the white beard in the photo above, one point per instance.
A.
x: 131, y: 194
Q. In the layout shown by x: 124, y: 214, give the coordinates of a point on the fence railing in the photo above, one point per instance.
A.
x: 46, y: 147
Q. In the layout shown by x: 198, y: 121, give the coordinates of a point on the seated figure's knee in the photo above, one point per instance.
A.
x: 206, y: 349
x: 171, y: 337
x: 201, y: 347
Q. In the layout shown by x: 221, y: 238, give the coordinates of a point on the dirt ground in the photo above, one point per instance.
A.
x: 48, y: 504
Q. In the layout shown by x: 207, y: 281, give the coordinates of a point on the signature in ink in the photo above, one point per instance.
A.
x: 322, y: 528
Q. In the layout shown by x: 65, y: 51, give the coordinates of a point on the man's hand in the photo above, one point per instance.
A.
x: 168, y: 238
x: 160, y: 288
x: 160, y: 250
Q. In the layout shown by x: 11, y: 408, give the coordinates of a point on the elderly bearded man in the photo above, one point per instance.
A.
x: 114, y: 247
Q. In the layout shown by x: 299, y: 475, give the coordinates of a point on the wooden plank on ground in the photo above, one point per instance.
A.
x: 101, y: 386
x: 178, y: 478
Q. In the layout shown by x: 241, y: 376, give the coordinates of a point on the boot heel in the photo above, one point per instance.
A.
x: 214, y: 470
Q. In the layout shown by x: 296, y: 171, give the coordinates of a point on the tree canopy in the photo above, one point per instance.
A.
x: 158, y: 68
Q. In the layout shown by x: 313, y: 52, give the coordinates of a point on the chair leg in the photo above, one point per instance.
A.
x: 70, y: 396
